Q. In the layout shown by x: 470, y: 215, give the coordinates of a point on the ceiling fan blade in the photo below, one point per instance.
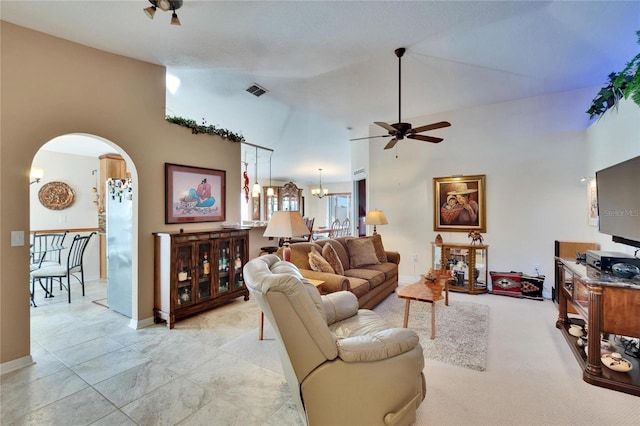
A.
x: 432, y: 126
x: 425, y: 138
x: 370, y: 137
x: 386, y: 126
x: 391, y: 143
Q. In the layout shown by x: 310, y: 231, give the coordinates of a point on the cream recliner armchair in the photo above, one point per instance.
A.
x: 344, y: 366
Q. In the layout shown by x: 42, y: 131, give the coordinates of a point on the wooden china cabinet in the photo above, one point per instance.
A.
x: 287, y: 198
x: 197, y: 271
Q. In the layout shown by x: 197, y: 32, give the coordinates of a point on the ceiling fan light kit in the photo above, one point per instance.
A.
x: 165, y: 5
x: 401, y: 130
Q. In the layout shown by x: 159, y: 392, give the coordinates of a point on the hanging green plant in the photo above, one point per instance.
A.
x: 623, y: 84
x: 204, y: 128
x: 630, y: 77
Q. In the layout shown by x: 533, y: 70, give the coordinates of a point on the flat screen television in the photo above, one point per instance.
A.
x: 618, y: 189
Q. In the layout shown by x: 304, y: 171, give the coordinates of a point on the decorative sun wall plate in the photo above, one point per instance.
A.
x: 56, y: 195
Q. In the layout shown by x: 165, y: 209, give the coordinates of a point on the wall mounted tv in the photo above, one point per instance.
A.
x: 619, y: 201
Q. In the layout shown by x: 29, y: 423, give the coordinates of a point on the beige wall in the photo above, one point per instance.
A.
x: 52, y: 87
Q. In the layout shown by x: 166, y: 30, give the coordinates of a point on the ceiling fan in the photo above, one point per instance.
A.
x: 402, y: 130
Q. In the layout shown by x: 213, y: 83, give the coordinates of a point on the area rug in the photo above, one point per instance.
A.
x: 462, y: 333
x: 462, y: 329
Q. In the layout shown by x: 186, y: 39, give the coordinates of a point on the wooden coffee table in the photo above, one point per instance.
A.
x: 424, y: 291
x: 319, y: 286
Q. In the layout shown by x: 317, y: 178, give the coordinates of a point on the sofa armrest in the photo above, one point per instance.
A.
x: 339, y: 306
x: 332, y: 282
x: 393, y: 257
x: 377, y: 346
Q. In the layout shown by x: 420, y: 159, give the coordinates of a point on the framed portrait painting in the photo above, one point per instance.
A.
x: 592, y: 202
x: 194, y: 194
x: 459, y: 204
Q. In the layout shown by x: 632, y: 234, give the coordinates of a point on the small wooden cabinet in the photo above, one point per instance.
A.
x: 197, y: 271
x: 606, y: 306
x: 469, y: 265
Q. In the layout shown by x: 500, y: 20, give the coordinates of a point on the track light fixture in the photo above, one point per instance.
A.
x: 165, y: 5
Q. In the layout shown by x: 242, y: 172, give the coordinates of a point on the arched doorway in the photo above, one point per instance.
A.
x: 74, y: 160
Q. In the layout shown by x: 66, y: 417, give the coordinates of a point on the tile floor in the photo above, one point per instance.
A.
x: 92, y: 369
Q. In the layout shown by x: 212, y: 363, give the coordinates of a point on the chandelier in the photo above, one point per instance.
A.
x: 165, y: 5
x: 320, y: 192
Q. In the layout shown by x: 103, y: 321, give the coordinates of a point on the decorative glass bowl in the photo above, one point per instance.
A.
x: 625, y: 270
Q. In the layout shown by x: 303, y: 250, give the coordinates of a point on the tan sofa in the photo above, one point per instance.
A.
x: 370, y: 283
x: 344, y: 366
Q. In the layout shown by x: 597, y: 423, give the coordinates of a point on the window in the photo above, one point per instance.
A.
x: 339, y: 206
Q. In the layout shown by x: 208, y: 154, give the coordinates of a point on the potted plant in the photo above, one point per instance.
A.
x: 623, y: 84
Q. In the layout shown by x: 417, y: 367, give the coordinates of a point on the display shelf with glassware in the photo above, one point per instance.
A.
x: 187, y: 280
x: 468, y: 263
x: 596, y: 303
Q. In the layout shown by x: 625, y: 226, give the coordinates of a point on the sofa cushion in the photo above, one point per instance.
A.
x: 319, y: 263
x: 358, y: 286
x: 330, y: 255
x: 389, y: 269
x: 361, y: 252
x: 300, y: 254
x: 340, y: 246
x: 374, y: 277
x: 378, y: 246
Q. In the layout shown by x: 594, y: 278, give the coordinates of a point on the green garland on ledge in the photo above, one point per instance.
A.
x: 203, y: 128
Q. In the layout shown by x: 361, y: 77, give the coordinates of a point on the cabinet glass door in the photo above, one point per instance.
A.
x: 480, y: 269
x: 223, y: 266
x: 184, y: 271
x: 239, y: 259
x: 204, y: 270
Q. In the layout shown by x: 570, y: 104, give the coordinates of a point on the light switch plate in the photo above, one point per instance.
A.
x: 17, y: 238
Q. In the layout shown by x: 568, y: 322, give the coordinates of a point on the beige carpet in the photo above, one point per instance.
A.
x: 462, y: 329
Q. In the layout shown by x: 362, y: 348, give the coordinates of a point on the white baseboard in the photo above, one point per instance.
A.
x: 16, y: 364
x: 136, y: 325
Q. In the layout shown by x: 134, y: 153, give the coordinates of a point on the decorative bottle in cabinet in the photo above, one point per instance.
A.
x: 206, y: 267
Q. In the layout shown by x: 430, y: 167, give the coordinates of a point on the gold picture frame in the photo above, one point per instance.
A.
x: 459, y: 203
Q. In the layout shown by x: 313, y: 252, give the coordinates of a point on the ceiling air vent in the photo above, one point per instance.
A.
x: 257, y: 90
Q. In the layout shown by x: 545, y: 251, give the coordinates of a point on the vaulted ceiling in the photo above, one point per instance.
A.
x: 329, y: 66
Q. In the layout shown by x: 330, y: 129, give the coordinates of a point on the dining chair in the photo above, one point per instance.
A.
x: 73, y: 268
x: 335, y: 229
x: 46, y: 249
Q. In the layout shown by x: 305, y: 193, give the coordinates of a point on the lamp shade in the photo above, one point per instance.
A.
x: 286, y: 224
x: 375, y: 217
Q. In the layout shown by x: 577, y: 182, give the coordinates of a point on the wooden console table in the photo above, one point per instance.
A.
x: 607, y: 304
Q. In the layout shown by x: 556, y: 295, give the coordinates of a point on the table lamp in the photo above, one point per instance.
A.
x: 375, y: 217
x: 286, y: 224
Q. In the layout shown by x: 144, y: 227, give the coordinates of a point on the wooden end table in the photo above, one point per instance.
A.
x: 424, y: 291
x: 319, y: 285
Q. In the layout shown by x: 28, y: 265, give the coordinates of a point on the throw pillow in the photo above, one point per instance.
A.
x: 377, y: 244
x: 330, y: 255
x: 361, y: 252
x: 317, y: 262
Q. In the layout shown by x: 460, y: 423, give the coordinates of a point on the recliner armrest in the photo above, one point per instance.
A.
x: 339, y: 306
x: 377, y: 346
